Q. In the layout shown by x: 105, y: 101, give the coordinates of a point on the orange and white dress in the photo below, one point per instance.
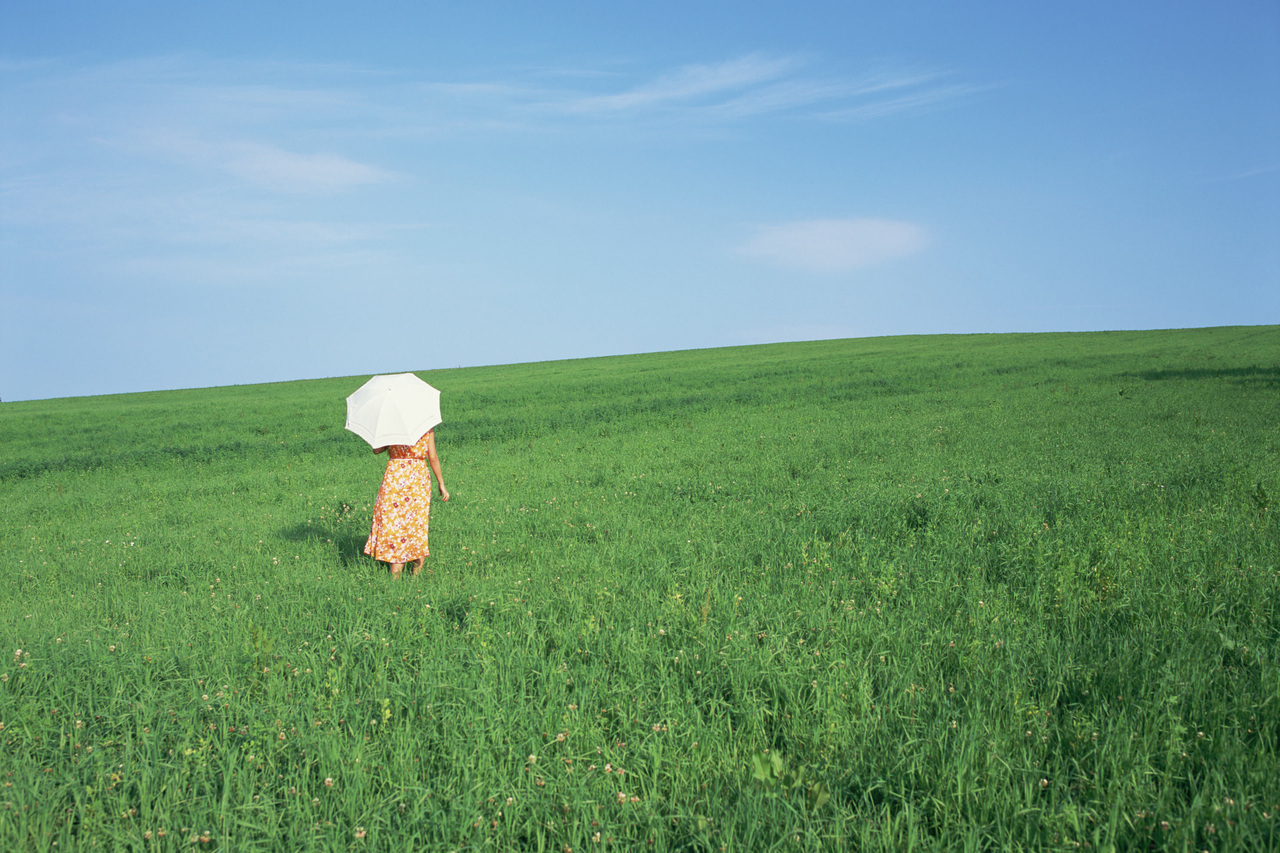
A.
x: 403, y: 508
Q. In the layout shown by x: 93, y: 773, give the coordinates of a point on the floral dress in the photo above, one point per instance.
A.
x: 401, y: 513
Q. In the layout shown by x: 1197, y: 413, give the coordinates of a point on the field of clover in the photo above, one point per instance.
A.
x: 979, y: 592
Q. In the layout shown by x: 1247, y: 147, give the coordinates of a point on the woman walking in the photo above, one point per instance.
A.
x: 402, y: 512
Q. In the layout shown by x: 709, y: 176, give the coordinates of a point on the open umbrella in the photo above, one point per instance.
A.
x: 397, y: 408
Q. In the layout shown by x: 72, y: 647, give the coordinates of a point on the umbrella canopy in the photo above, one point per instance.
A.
x: 397, y: 408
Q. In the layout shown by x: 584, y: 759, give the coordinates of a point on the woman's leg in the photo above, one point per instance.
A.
x: 417, y: 565
x: 396, y: 569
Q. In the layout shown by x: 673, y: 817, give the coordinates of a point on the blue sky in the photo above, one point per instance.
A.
x: 249, y: 192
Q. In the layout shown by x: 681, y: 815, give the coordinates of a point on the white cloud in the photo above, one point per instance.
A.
x: 285, y: 170
x: 732, y: 90
x: 835, y: 245
x: 915, y: 100
x: 261, y: 164
x: 243, y: 117
x: 688, y: 83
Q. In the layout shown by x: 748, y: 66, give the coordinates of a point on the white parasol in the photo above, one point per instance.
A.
x: 397, y: 408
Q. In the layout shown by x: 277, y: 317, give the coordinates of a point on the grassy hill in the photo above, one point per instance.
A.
x: 992, y: 590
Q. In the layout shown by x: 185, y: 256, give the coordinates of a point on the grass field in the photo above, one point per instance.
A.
x: 973, y: 592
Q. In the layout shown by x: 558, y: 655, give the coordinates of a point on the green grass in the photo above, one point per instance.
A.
x: 977, y: 592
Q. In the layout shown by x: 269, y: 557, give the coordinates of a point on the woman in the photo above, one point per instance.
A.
x: 403, y: 508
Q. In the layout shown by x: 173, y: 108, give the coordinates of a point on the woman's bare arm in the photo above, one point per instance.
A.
x: 433, y: 459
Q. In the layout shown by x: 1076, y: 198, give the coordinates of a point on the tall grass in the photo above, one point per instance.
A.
x: 980, y: 592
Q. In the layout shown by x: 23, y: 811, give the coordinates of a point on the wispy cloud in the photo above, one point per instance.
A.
x: 755, y: 86
x: 686, y: 84
x: 1249, y: 173
x: 300, y: 128
x: 185, y: 155
x: 258, y: 164
x: 903, y: 100
x: 275, y: 167
x: 732, y: 91
x: 835, y: 245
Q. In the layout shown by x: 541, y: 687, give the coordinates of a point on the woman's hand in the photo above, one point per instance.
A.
x: 444, y: 494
